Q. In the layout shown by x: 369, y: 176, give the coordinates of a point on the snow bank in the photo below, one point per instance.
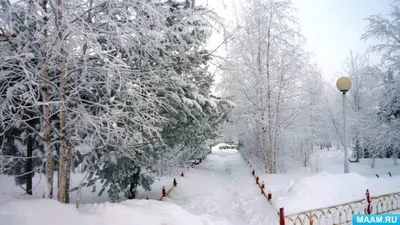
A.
x: 138, y: 212
x: 326, y: 189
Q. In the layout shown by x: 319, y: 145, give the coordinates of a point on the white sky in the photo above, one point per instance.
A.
x: 332, y: 27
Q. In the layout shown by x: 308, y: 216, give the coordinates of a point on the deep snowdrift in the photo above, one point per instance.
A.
x: 138, y: 212
x: 326, y: 189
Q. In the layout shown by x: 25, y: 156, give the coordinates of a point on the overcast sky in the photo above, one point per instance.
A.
x: 331, y: 27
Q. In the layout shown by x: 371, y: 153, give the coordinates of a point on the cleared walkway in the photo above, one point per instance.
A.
x: 222, y: 189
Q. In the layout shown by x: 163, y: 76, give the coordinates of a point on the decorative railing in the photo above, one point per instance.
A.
x: 338, y: 214
x: 385, y: 204
x: 342, y: 214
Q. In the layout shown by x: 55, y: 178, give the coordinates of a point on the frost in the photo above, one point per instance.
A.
x: 136, y: 88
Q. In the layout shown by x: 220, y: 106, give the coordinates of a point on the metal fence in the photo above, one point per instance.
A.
x: 342, y: 214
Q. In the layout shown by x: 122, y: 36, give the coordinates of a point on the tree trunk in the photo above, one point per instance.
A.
x: 65, y: 152
x: 275, y: 131
x: 260, y: 95
x: 269, y: 98
x: 29, y: 146
x: 46, y: 110
x: 29, y: 164
x: 265, y: 151
x: 357, y: 147
x: 131, y: 193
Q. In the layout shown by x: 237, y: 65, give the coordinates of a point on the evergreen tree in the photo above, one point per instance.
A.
x: 20, y: 114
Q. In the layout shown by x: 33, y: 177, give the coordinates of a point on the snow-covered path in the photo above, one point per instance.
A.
x: 222, y: 189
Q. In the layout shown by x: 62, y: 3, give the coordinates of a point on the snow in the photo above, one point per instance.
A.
x: 299, y: 191
x: 219, y: 191
x: 325, y: 189
x: 222, y: 189
x: 42, y: 211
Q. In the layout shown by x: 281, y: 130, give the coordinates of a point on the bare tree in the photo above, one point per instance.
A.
x: 358, y: 69
x: 267, y: 60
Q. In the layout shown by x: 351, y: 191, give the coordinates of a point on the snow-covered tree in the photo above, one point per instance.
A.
x: 385, y: 133
x: 267, y: 62
x: 117, y: 87
x: 308, y: 129
x: 362, y: 96
x: 21, y: 139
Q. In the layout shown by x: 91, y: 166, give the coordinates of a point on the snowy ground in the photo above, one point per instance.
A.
x: 141, y: 212
x: 300, y: 191
x: 220, y: 191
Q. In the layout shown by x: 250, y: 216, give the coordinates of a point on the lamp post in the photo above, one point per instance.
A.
x: 344, y: 85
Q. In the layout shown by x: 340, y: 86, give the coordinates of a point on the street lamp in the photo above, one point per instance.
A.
x: 344, y: 85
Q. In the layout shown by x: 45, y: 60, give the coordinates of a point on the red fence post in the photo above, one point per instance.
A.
x: 175, y: 183
x: 253, y: 172
x: 257, y: 179
x: 262, y: 187
x: 163, y: 192
x: 182, y: 175
x: 269, y: 196
x: 281, y: 216
x: 368, y: 201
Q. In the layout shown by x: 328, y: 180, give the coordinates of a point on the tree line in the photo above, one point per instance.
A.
x: 118, y: 89
x: 286, y: 111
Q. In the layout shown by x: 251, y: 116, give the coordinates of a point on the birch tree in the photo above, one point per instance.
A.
x: 65, y: 151
x: 267, y: 56
x: 118, y: 87
x: 309, y: 129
